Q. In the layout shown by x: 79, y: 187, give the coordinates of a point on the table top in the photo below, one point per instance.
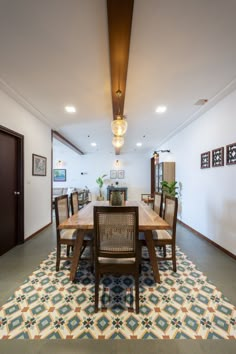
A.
x: 83, y: 220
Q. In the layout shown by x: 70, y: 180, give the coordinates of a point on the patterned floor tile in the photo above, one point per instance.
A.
x: 185, y: 305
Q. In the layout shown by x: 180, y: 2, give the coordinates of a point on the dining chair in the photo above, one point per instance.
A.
x: 116, y: 248
x: 74, y: 202
x: 162, y: 238
x: 157, y: 207
x: 88, y: 236
x: 158, y: 203
x: 64, y: 237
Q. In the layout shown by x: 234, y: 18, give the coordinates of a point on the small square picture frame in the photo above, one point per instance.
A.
x: 218, y: 157
x: 205, y: 159
x: 231, y: 154
x: 121, y: 174
x: 113, y: 174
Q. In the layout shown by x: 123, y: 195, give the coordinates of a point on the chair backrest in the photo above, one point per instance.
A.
x: 116, y: 231
x: 158, y: 202
x: 170, y: 212
x: 74, y: 200
x: 61, y: 208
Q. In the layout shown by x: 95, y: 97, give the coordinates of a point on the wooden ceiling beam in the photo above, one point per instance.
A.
x: 119, y: 14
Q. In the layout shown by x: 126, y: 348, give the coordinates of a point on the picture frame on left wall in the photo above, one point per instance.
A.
x: 39, y: 165
x: 59, y: 175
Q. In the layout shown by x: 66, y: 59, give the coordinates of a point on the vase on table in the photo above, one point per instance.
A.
x: 116, y: 198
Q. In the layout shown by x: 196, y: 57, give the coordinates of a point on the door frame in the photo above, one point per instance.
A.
x: 20, y: 181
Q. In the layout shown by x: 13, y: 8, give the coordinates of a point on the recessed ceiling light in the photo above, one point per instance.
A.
x: 139, y: 144
x: 70, y: 109
x: 93, y: 144
x: 161, y: 109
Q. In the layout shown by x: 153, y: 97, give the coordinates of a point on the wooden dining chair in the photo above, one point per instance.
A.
x: 158, y: 203
x: 162, y: 238
x: 64, y: 237
x: 74, y: 202
x: 116, y: 248
x: 88, y: 237
x: 157, y: 207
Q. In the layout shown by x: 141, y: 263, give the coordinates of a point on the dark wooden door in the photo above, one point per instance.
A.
x: 11, y: 190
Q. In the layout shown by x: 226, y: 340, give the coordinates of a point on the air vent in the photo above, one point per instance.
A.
x: 201, y: 102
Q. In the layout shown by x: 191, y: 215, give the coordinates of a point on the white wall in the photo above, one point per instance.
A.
x: 37, y: 140
x: 136, y: 167
x: 70, y: 161
x: 209, y: 195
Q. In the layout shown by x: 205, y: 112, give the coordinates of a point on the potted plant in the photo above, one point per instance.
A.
x: 100, y: 182
x: 170, y: 188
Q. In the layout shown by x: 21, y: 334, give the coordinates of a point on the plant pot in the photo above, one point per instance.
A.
x: 100, y: 197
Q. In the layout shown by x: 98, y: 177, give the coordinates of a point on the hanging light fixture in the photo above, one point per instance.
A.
x: 156, y: 155
x: 119, y: 125
x: 118, y: 141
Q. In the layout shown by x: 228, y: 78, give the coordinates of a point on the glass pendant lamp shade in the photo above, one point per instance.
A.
x: 119, y: 126
x: 118, y: 141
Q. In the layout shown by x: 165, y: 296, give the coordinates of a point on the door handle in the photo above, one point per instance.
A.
x: 16, y: 193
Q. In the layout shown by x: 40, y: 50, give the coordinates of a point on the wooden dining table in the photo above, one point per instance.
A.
x: 83, y: 222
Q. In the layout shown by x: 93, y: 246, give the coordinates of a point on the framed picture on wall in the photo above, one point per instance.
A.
x: 218, y: 157
x: 39, y: 165
x: 121, y: 174
x: 59, y: 175
x: 231, y: 154
x: 113, y: 174
x: 205, y: 159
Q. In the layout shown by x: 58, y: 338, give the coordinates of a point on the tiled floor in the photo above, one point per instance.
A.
x: 17, y: 264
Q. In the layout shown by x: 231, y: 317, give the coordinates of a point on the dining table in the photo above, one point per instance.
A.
x: 82, y: 222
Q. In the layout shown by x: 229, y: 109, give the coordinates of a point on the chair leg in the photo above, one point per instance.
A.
x: 164, y: 251
x: 58, y: 257
x: 92, y: 257
x: 67, y: 250
x: 174, y: 258
x: 137, y: 292
x: 97, y: 280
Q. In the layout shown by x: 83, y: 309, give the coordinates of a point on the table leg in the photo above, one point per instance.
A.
x: 152, y: 255
x: 76, y: 254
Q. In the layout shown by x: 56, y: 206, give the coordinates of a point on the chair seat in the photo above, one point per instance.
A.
x: 104, y: 260
x: 161, y: 235
x: 68, y: 234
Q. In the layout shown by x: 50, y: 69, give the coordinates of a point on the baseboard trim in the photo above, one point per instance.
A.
x: 195, y: 232
x: 37, y: 232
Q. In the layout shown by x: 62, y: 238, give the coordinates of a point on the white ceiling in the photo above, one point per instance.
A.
x: 55, y: 52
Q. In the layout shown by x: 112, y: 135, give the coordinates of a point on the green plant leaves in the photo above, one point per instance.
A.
x: 100, y: 180
x: 170, y: 188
